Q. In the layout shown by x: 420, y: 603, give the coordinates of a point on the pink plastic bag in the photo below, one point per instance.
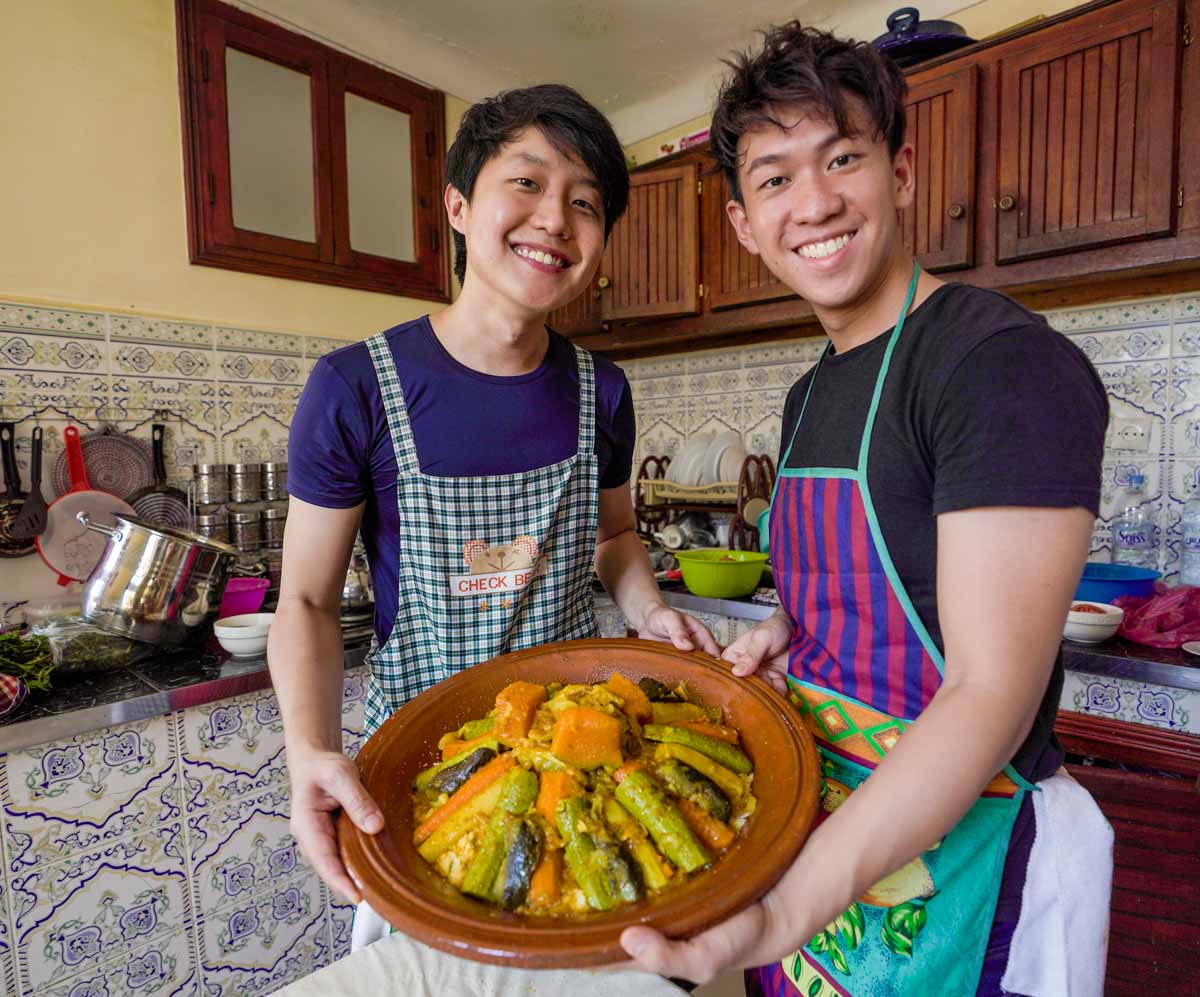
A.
x: 1169, y: 618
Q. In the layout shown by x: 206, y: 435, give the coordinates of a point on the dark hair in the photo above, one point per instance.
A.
x: 572, y: 125
x: 815, y: 70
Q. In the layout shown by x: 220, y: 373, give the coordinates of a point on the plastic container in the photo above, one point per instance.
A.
x: 721, y: 574
x: 1104, y: 582
x: 1133, y: 540
x: 243, y: 595
x: 1189, y: 550
x: 77, y: 646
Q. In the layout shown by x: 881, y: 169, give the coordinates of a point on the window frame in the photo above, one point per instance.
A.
x: 205, y: 29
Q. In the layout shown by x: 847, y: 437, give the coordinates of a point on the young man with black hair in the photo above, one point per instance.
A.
x: 939, y: 477
x: 484, y: 457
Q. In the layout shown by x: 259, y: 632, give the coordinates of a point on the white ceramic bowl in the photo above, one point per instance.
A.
x: 244, y: 636
x: 1091, y: 628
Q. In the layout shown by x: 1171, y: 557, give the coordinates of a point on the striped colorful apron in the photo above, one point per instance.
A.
x: 862, y: 666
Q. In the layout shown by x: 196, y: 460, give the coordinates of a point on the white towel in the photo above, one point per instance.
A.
x: 1060, y: 943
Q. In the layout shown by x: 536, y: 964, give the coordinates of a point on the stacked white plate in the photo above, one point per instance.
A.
x: 708, y: 458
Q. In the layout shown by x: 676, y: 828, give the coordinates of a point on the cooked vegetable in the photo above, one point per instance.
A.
x: 587, y: 738
x: 731, y: 785
x: 488, y: 863
x: 476, y: 784
x: 542, y: 760
x: 519, y: 792
x: 524, y: 851
x: 646, y: 800
x: 458, y: 823
x: 515, y: 707
x: 449, y: 776
x: 625, y: 769
x: 555, y: 787
x: 476, y: 728
x: 656, y: 692
x: 545, y: 887
x: 584, y: 859
x: 26, y: 658
x: 688, y: 784
x: 707, y: 827
x: 637, y: 703
x: 718, y: 751
x: 453, y: 747
x: 656, y: 870
x: 625, y: 874
x: 673, y: 713
x: 721, y: 733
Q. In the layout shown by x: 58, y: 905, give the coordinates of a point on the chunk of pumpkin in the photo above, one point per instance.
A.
x: 637, y: 703
x: 453, y: 747
x: 587, y: 738
x: 553, y: 787
x: 515, y: 707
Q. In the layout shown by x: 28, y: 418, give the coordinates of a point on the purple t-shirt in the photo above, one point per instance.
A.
x: 464, y: 424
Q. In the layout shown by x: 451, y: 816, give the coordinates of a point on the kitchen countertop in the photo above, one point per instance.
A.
x: 197, y: 677
x: 168, y: 682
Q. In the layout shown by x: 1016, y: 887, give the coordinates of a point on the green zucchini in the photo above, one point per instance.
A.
x: 719, y: 751
x: 655, y: 873
x: 519, y: 792
x: 648, y: 802
x: 583, y: 858
x: 488, y: 863
x: 476, y: 728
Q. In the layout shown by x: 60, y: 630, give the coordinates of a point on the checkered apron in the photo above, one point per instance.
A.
x: 536, y: 529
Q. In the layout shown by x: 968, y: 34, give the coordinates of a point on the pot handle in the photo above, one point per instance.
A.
x: 903, y: 21
x: 108, y: 531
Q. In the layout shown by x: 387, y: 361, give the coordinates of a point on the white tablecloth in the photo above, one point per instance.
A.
x: 406, y: 968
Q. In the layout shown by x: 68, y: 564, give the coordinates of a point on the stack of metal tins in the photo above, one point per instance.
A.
x: 246, y: 504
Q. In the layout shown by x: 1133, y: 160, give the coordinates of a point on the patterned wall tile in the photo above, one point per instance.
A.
x: 94, y: 905
x: 354, y: 694
x: 242, y: 849
x: 1118, y: 315
x: 154, y: 361
x: 8, y: 965
x: 264, y: 942
x: 319, y: 346
x: 93, y: 789
x: 341, y: 922
x: 1134, y: 702
x: 165, y: 967
x: 230, y: 750
x: 61, y: 321
x: 251, y: 340
x: 139, y: 329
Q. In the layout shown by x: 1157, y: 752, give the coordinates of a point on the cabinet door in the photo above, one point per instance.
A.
x: 1087, y: 134
x: 939, y: 227
x: 731, y: 275
x: 651, y: 264
x: 580, y: 317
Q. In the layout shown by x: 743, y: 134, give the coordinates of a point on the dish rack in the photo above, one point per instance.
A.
x: 658, y: 501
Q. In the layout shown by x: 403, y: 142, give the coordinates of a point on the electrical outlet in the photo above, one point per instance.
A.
x: 1132, y: 432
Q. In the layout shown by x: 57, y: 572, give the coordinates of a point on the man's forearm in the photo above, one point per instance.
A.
x: 304, y: 654
x: 624, y: 571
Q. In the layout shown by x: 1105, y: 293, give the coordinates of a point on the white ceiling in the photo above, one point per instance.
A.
x: 649, y: 64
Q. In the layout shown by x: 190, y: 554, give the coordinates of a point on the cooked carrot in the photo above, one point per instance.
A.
x: 554, y: 786
x: 726, y: 734
x: 515, y: 706
x: 546, y: 885
x: 455, y: 747
x: 625, y: 769
x: 480, y: 781
x: 637, y: 703
x: 714, y: 833
x: 587, y: 738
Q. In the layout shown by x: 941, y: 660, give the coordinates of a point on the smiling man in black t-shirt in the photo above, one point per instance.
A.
x: 939, y: 478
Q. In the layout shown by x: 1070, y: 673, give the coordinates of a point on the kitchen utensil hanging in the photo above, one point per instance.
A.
x: 161, y: 504
x: 31, y: 519
x: 115, y: 462
x: 67, y: 546
x: 13, y: 498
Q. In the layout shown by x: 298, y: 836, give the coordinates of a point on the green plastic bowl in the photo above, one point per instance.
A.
x: 721, y: 574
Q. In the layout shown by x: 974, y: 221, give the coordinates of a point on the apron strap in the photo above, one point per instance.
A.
x: 587, y: 401
x: 393, y: 404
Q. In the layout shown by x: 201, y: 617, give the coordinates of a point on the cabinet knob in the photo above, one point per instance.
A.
x: 603, y: 283
x: 1007, y: 202
x: 956, y: 211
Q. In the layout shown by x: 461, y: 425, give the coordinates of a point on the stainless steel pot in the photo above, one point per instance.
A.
x: 212, y: 483
x: 155, y: 583
x: 245, y: 482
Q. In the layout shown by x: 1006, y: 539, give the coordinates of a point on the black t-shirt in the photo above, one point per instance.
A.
x: 984, y: 405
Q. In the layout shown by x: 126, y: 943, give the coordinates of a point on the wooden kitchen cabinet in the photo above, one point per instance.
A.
x: 939, y: 227
x: 731, y: 275
x: 580, y: 317
x: 1087, y: 127
x: 652, y: 262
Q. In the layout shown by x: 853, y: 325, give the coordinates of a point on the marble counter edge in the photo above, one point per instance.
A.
x: 250, y: 676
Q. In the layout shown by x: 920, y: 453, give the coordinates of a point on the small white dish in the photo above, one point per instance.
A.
x: 244, y: 636
x: 1192, y: 647
x: 1093, y: 625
